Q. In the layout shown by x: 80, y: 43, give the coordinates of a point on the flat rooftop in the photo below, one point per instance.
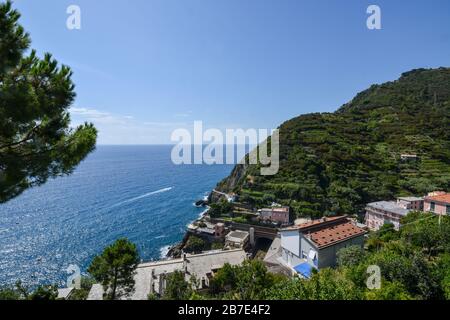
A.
x: 411, y: 199
x: 238, y: 234
x: 389, y: 206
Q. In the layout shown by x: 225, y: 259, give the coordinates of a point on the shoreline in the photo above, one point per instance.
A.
x: 174, y: 251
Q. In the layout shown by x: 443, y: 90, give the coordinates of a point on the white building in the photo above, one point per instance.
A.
x: 151, y: 277
x: 314, y: 245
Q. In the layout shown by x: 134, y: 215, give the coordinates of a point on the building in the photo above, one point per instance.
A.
x: 96, y: 292
x: 237, y: 239
x: 438, y: 203
x: 207, y: 230
x: 409, y: 157
x: 279, y: 215
x: 383, y: 212
x: 151, y: 278
x: 314, y: 245
x: 219, y: 230
x: 65, y: 293
x: 411, y: 203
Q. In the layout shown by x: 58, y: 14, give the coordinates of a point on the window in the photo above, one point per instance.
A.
x: 448, y: 209
x: 313, y: 257
x: 432, y: 206
x: 316, y: 262
x: 304, y: 256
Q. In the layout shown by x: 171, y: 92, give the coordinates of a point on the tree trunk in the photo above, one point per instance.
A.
x: 114, y: 286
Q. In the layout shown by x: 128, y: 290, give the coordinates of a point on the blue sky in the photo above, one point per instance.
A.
x: 143, y: 68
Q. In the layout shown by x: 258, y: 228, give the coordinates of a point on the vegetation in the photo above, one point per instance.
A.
x: 335, y: 163
x: 220, y: 209
x: 245, y: 282
x: 414, y: 264
x: 177, y: 288
x: 82, y: 292
x: 409, y: 270
x: 350, y: 256
x: 20, y: 292
x: 36, y: 141
x: 115, y: 269
x: 195, y: 245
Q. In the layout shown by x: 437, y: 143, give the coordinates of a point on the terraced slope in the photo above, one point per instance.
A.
x: 337, y: 162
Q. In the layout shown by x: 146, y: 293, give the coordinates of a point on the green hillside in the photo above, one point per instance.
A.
x: 337, y: 162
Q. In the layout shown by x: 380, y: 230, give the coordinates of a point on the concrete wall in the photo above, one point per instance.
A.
x: 306, y: 247
x: 290, y: 258
x: 375, y: 220
x: 290, y: 244
x: 438, y: 208
x: 328, y: 257
x: 290, y: 240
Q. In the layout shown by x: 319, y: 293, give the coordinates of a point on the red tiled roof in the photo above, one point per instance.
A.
x: 327, y: 231
x: 439, y: 198
x: 281, y: 209
x: 314, y: 223
x: 335, y: 233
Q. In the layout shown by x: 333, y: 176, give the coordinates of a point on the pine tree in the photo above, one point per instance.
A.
x: 115, y: 269
x: 36, y: 141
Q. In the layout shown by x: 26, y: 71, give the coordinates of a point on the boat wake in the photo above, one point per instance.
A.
x: 140, y: 197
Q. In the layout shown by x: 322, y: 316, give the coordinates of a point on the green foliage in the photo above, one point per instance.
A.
x: 335, y: 163
x: 432, y: 234
x: 389, y: 291
x: 387, y: 232
x: 442, y: 273
x: 217, y: 245
x: 177, y: 288
x: 219, y: 209
x: 9, y: 294
x: 350, y: 256
x: 44, y: 293
x: 327, y: 284
x: 409, y: 271
x: 20, y: 292
x: 36, y: 141
x: 195, y: 245
x: 115, y: 268
x: 83, y: 292
x: 245, y: 282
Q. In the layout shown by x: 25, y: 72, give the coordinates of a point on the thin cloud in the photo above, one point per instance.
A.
x: 124, y: 129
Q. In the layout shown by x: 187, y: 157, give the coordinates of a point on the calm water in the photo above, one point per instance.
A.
x: 118, y: 191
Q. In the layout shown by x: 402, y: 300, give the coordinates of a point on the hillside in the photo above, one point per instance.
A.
x: 337, y: 162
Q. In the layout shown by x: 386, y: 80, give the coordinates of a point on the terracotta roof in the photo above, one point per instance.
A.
x: 281, y: 209
x: 327, y: 236
x: 328, y: 231
x: 324, y: 221
x: 440, y: 198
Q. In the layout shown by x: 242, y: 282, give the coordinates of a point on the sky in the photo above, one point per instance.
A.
x: 143, y: 68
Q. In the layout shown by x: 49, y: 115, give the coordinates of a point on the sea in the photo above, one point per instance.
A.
x: 134, y: 192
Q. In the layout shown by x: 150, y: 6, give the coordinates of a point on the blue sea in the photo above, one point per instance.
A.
x: 118, y: 191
